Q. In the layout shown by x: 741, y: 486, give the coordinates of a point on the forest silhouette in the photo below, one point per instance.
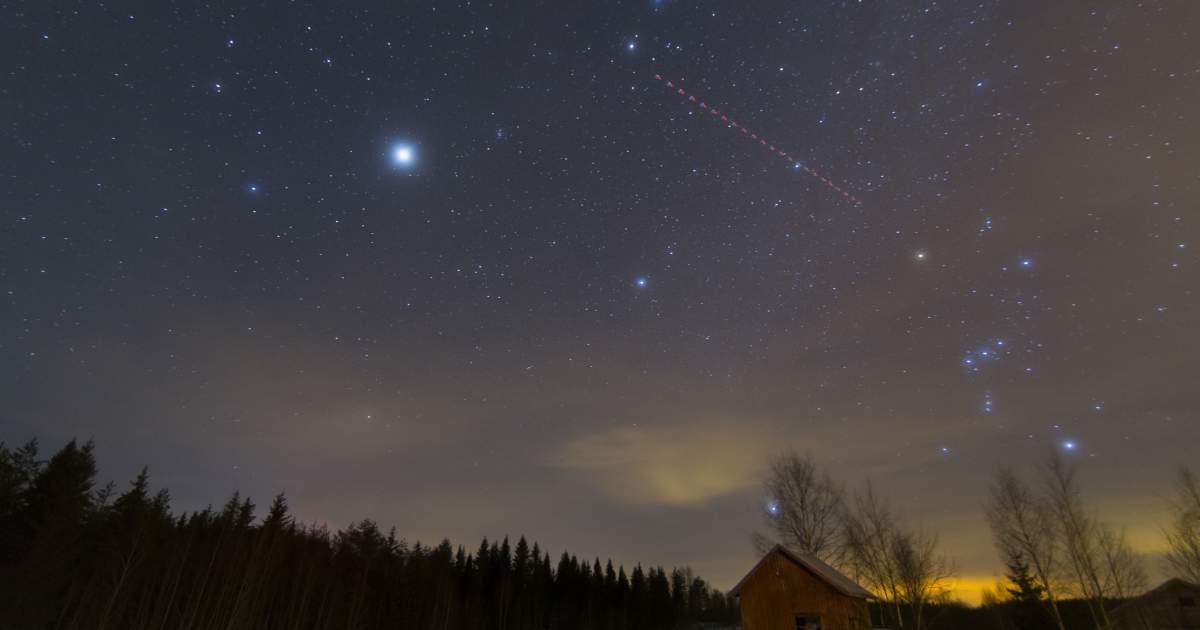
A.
x: 74, y: 554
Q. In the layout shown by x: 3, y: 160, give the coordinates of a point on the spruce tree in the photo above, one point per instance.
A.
x: 1022, y: 585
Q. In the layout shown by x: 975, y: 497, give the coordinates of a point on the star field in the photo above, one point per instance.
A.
x: 478, y: 260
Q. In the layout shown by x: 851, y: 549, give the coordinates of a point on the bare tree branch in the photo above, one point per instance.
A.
x: 922, y: 573
x: 1079, y: 532
x: 1183, y: 531
x: 805, y: 509
x: 1023, y: 529
x: 1124, y: 575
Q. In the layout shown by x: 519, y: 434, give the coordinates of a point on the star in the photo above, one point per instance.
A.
x: 920, y: 255
x: 404, y: 155
x: 1069, y: 445
x: 641, y: 282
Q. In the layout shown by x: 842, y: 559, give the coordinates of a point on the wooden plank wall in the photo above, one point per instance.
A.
x: 781, y: 589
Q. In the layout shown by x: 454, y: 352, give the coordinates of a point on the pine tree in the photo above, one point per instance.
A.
x: 85, y: 563
x: 1022, y: 585
x: 17, y: 470
x: 52, y: 517
x: 1027, y: 610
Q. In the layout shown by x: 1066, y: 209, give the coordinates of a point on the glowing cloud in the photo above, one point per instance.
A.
x: 676, y: 465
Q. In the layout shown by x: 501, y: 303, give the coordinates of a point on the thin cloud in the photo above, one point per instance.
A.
x: 672, y: 465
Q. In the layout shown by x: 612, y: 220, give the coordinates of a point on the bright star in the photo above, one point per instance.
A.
x: 1026, y: 263
x: 641, y: 282
x: 403, y: 155
x: 1069, y: 445
x: 773, y: 507
x: 921, y: 255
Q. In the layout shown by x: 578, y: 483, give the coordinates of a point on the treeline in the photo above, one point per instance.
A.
x: 74, y: 555
x: 1002, y: 613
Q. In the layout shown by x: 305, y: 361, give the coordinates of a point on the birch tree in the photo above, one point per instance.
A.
x: 1023, y: 530
x: 1183, y: 529
x: 805, y: 509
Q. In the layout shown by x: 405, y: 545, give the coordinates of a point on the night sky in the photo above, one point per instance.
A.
x: 472, y: 271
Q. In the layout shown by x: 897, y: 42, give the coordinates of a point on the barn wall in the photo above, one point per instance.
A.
x: 780, y: 589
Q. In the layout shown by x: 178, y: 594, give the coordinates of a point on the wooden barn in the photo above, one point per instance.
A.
x: 789, y: 590
x: 1173, y: 605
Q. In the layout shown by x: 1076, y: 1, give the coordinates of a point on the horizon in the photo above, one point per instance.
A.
x: 965, y: 588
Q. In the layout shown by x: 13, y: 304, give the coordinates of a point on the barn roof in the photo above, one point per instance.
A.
x: 814, y: 565
x: 1173, y: 583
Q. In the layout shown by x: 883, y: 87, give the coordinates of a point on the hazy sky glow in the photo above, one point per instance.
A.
x: 474, y: 272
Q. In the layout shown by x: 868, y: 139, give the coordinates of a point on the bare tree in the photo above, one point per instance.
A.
x: 1023, y: 528
x: 805, y: 509
x: 1183, y: 531
x: 1080, y: 535
x: 1123, y: 572
x: 809, y: 511
x: 921, y: 572
x: 869, y: 530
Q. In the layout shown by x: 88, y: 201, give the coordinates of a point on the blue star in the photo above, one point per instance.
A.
x: 252, y: 188
x: 641, y: 282
x: 1069, y: 445
x: 403, y: 155
x: 1026, y: 263
x: 773, y: 507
